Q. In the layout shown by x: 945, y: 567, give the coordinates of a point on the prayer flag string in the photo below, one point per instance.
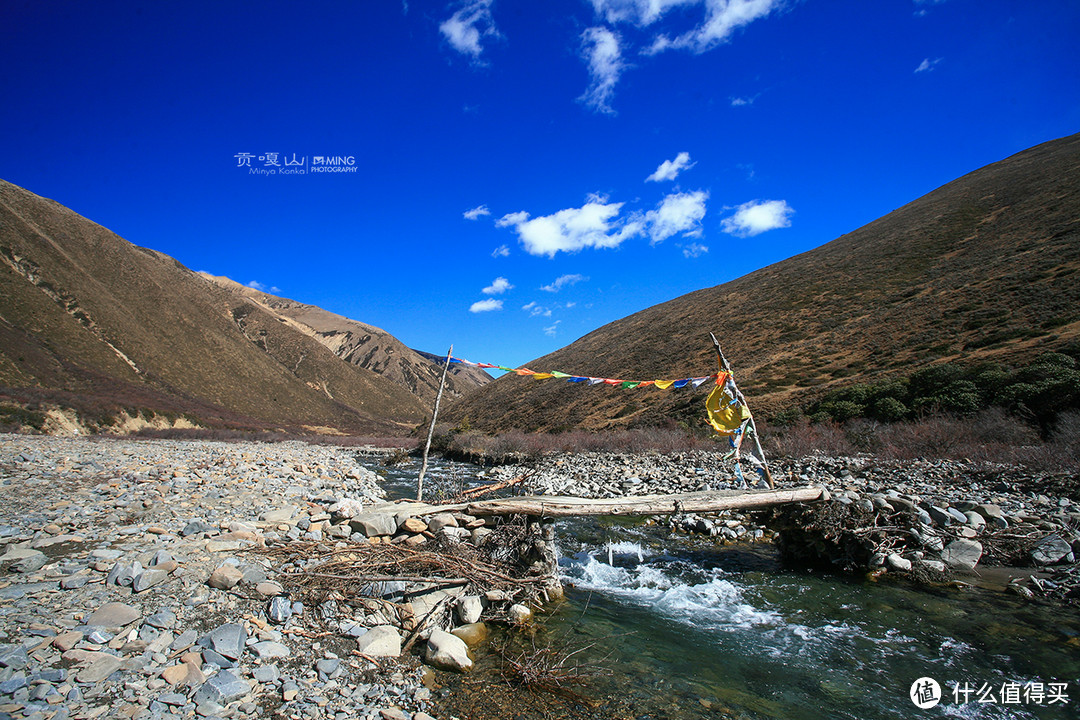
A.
x: 720, y: 377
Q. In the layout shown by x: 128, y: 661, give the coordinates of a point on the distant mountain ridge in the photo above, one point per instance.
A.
x: 366, y: 346
x: 983, y: 267
x: 89, y: 319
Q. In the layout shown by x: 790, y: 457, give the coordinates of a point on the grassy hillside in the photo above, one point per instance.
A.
x: 86, y: 314
x: 984, y: 268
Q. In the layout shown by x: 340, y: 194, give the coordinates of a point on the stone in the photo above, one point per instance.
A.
x: 185, y: 640
x: 372, y: 524
x: 114, y: 614
x: 176, y: 674
x: 13, y: 684
x: 173, y: 699
x: 940, y: 516
x: 14, y: 656
x: 468, y: 609
x: 392, y: 714
x: 1051, y: 550
x: 269, y: 588
x: 281, y: 515
x: 74, y: 582
x: 956, y: 515
x: 519, y: 614
x: 160, y: 558
x: 14, y: 554
x: 478, y: 535
x: 123, y: 574
x: 30, y: 564
x: 413, y: 525
x: 220, y: 661
x: 271, y: 649
x: 975, y: 521
x: 440, y: 521
x: 227, y: 640
x: 266, y: 673
x: 65, y: 641
x: 222, y: 688
x: 195, y: 527
x: 279, y: 610
x: 898, y: 563
x: 380, y: 641
x: 457, y: 534
x: 149, y: 578
x: 473, y: 634
x: 163, y: 619
x: 99, y: 667
x: 962, y: 554
x: 447, y: 652
x: 327, y: 667
x: 225, y: 577
x: 346, y: 509
x: 990, y: 512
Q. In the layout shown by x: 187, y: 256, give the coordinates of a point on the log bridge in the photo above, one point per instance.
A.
x: 565, y: 506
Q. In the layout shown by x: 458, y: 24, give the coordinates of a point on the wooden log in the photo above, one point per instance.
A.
x: 562, y: 506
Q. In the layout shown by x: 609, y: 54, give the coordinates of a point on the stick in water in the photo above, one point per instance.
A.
x: 431, y: 430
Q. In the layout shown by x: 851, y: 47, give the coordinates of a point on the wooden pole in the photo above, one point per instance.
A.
x: 726, y: 367
x: 560, y: 506
x: 431, y: 428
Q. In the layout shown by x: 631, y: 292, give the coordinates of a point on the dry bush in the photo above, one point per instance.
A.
x: 991, y: 436
x: 804, y: 439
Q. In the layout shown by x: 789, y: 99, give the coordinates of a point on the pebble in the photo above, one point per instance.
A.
x: 132, y: 530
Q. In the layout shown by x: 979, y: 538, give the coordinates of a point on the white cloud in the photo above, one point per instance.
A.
x: 744, y: 101
x: 600, y: 48
x: 677, y: 213
x: 694, y: 250
x: 498, y: 287
x: 536, y: 310
x: 551, y: 329
x: 562, y: 281
x: 638, y: 12
x: 670, y: 169
x: 501, y: 251
x: 722, y: 18
x: 465, y: 28
x: 485, y: 305
x: 256, y: 285
x: 754, y: 218
x: 476, y: 212
x: 927, y: 65
x: 593, y: 225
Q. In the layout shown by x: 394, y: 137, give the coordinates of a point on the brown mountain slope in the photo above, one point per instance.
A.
x: 84, y: 312
x: 984, y: 266
x: 366, y: 346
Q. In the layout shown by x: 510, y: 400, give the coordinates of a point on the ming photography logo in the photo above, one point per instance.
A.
x: 273, y: 163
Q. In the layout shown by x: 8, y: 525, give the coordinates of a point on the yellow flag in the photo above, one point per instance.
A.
x: 723, y: 415
x: 663, y: 384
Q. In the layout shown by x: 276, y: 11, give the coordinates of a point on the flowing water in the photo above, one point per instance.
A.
x: 686, y: 628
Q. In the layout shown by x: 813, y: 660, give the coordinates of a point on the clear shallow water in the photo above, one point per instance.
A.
x: 691, y: 629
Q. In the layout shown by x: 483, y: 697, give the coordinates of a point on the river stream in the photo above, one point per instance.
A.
x: 687, y: 628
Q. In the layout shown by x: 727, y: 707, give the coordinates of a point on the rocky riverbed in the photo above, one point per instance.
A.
x: 164, y: 579
x: 171, y: 579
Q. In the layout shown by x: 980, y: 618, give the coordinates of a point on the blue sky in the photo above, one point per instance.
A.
x: 522, y: 172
